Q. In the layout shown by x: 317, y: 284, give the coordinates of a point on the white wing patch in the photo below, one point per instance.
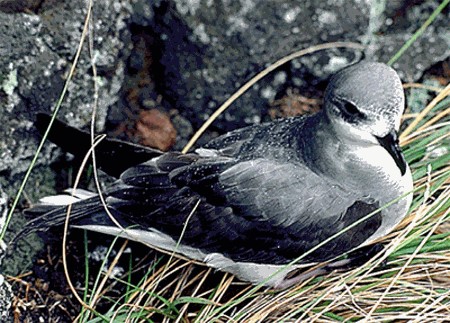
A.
x: 72, y: 196
x: 248, y: 271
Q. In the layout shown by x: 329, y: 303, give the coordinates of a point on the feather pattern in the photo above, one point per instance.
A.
x: 259, y: 197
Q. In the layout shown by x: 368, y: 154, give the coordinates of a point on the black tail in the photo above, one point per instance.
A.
x: 47, y: 216
x: 113, y: 156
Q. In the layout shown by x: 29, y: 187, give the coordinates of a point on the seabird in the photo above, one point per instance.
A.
x: 255, y: 199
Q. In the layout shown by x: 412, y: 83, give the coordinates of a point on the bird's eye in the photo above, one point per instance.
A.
x: 349, y: 110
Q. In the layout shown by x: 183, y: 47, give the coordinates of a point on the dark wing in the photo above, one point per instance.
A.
x: 247, y: 140
x: 113, y: 156
x: 254, y: 211
x: 230, y: 143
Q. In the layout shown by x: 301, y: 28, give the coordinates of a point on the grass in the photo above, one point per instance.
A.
x: 408, y: 281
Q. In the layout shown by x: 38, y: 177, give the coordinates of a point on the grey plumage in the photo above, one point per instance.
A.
x: 265, y: 194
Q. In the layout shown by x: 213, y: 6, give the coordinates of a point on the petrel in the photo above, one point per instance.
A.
x: 256, y: 199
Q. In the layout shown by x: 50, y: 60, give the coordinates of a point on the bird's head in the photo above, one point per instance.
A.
x: 365, y: 100
x: 364, y: 103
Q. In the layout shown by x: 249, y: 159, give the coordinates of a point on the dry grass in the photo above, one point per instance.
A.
x: 408, y: 281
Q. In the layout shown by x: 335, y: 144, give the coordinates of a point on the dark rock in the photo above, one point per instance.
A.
x: 15, y: 6
x: 6, y: 295
x: 36, y: 53
x: 143, y: 12
x: 35, y: 56
x: 184, y: 129
x: 397, y: 23
x: 210, y: 48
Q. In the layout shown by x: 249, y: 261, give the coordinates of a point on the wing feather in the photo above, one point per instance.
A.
x: 249, y: 210
x: 257, y: 210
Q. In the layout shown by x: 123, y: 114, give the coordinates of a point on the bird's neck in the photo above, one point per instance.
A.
x: 348, y: 165
x: 331, y: 154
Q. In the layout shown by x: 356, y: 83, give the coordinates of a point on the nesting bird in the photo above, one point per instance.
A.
x: 255, y: 199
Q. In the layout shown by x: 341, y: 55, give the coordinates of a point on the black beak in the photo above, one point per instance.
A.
x: 390, y: 143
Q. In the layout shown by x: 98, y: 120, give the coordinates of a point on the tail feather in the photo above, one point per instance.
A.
x: 109, y: 152
x: 47, y: 214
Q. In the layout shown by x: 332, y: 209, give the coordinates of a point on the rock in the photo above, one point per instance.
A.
x: 398, y: 21
x: 183, y: 127
x: 36, y: 53
x: 143, y: 12
x: 6, y: 295
x: 35, y: 56
x: 210, y: 48
x: 14, y: 6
